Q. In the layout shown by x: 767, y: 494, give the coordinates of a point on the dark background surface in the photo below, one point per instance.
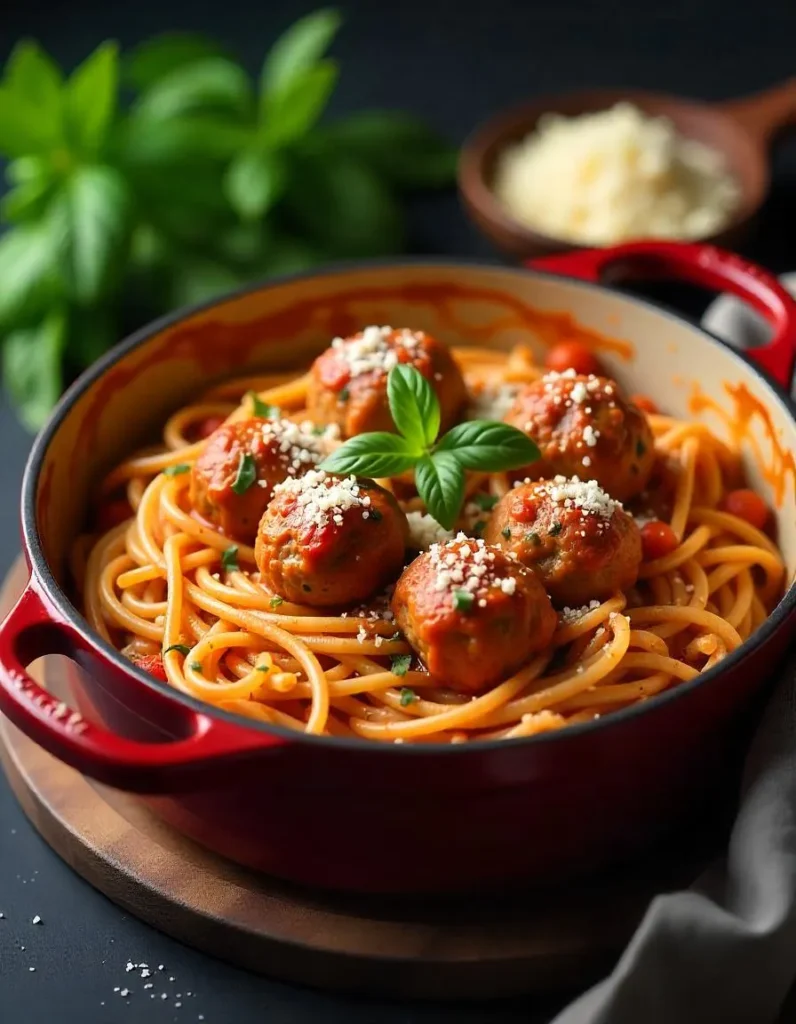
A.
x: 456, y: 62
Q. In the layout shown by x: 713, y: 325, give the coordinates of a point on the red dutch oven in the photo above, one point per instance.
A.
x: 365, y: 816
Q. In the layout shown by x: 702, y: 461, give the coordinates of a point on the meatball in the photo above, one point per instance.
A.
x: 581, y: 543
x: 348, y: 382
x: 584, y: 427
x: 233, y: 479
x: 472, y: 613
x: 330, y: 540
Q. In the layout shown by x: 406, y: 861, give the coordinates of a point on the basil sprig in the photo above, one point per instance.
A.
x: 206, y: 179
x: 439, y: 465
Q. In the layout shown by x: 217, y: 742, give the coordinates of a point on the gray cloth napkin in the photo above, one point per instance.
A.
x: 725, y: 951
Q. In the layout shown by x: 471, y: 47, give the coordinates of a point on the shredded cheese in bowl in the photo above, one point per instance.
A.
x: 613, y: 176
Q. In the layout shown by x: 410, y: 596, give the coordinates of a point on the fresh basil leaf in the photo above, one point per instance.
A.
x: 485, y: 501
x: 488, y: 445
x: 342, y: 205
x: 298, y: 49
x: 414, y: 406
x: 177, y: 470
x: 246, y: 475
x: 154, y: 59
x: 180, y: 648
x: 399, y: 146
x: 27, y: 201
x: 90, y: 99
x: 289, y: 114
x: 261, y: 408
x: 254, y: 182
x: 212, y: 85
x: 25, y: 169
x: 229, y: 558
x: 36, y: 78
x: 440, y: 483
x: 376, y: 455
x: 287, y: 254
x: 22, y: 132
x: 177, y: 143
x: 29, y: 280
x: 93, y: 218
x: 32, y: 368
x: 399, y: 664
x: 91, y: 333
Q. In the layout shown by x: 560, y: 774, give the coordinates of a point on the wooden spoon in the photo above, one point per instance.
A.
x: 742, y: 130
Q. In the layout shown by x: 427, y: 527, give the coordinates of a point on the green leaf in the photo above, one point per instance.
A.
x: 399, y: 664
x: 485, y: 501
x: 229, y: 558
x: 375, y: 455
x: 254, y: 182
x: 276, y: 600
x: 144, y: 143
x: 153, y: 60
x: 246, y: 475
x: 489, y: 446
x: 289, y: 114
x: 414, y: 406
x: 32, y: 368
x: 342, y: 205
x: 27, y: 201
x: 91, y: 333
x: 91, y: 97
x: 287, y: 254
x: 177, y: 470
x: 408, y: 695
x: 194, y: 281
x: 298, y: 49
x: 180, y: 648
x: 399, y: 146
x: 22, y: 130
x: 93, y: 218
x: 261, y: 408
x: 29, y: 280
x: 34, y: 76
x: 463, y: 600
x: 212, y: 85
x: 440, y: 483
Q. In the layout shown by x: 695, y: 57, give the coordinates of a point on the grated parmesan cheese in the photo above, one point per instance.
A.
x: 586, y: 495
x: 424, y: 531
x: 492, y: 402
x: 590, y: 435
x: 466, y: 564
x: 570, y: 615
x: 321, y: 496
x: 376, y: 349
x: 615, y: 175
x: 298, y: 444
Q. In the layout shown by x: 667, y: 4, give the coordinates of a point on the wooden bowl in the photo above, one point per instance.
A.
x: 741, y: 130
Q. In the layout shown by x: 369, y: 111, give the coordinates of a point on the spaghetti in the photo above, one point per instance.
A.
x: 155, y: 586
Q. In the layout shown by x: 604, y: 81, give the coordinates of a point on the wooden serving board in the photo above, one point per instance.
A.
x: 469, y: 947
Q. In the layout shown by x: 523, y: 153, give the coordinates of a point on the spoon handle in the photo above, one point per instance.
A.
x: 767, y: 113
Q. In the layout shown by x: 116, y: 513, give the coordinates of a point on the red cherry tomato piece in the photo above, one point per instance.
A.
x: 151, y: 663
x: 747, y: 506
x: 207, y: 426
x: 657, y: 539
x: 644, y: 403
x: 572, y: 355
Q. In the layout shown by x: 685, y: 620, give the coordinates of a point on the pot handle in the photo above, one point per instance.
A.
x: 704, y: 265
x: 766, y: 114
x: 30, y: 631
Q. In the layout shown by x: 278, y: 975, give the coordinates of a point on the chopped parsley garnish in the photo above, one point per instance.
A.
x: 344, y: 395
x: 229, y: 559
x: 555, y: 529
x: 462, y: 600
x: 478, y: 528
x: 263, y: 668
x: 485, y: 501
x: 261, y: 408
x: 276, y: 600
x: 196, y: 666
x: 318, y: 431
x: 180, y: 648
x: 375, y: 515
x: 408, y: 695
x: 640, y: 447
x: 506, y: 532
x: 246, y: 475
x: 399, y: 664
x: 533, y: 537
x: 178, y: 470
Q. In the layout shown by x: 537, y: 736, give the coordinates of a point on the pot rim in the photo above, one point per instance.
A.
x: 57, y: 598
